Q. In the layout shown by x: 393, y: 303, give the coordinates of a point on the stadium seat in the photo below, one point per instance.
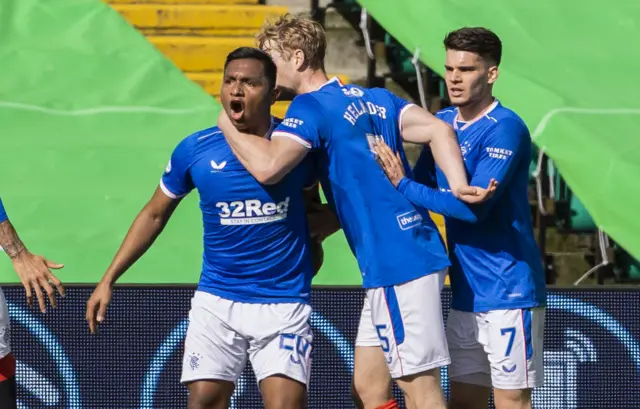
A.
x: 197, y: 35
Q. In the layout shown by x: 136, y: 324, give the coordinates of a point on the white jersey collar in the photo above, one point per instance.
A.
x: 479, y: 117
x: 331, y: 81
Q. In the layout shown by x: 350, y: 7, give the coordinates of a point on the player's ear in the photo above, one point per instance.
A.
x: 275, y: 93
x: 298, y: 59
x: 494, y: 72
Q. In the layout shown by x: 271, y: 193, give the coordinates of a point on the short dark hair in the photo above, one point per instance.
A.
x: 478, y: 40
x: 270, y: 70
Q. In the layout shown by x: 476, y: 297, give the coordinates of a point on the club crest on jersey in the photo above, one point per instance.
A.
x: 252, y: 211
x: 353, y: 92
x: 464, y: 148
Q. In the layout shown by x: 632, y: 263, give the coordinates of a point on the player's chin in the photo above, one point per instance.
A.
x: 459, y: 101
x: 239, y: 124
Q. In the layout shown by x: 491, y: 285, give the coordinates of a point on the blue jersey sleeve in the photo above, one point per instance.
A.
x: 303, y: 122
x: 441, y: 202
x: 3, y: 213
x: 176, y: 181
x: 503, y: 148
x: 400, y: 105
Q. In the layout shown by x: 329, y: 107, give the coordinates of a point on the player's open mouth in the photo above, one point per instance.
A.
x: 237, y: 109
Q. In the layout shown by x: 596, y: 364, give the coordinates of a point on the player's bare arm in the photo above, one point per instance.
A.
x: 33, y: 270
x: 322, y: 224
x: 392, y: 166
x: 267, y: 160
x: 420, y: 127
x: 146, y: 227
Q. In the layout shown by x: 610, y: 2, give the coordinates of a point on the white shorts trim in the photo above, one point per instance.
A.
x: 506, y: 346
x: 224, y: 334
x: 406, y: 322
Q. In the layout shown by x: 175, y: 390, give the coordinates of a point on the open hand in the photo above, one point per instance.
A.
x: 390, y: 162
x: 475, y: 194
x: 34, y: 273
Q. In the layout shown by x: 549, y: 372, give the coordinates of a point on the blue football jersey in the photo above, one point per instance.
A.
x: 3, y: 214
x: 495, y: 261
x: 391, y: 240
x: 256, y: 239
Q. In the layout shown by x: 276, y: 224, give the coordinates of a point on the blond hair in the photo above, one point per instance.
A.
x: 295, y: 32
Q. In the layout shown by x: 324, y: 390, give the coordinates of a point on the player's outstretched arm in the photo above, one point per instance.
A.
x: 443, y: 203
x: 419, y: 126
x: 267, y: 160
x: 33, y: 270
x: 143, y: 232
x: 504, y: 149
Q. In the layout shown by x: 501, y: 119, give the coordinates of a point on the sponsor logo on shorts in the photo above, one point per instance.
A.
x: 409, y: 220
x: 252, y: 211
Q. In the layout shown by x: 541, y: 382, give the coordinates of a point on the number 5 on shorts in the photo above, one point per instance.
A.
x: 511, y: 331
x: 384, y: 341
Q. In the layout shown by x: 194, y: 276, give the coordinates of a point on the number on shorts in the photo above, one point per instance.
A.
x: 384, y: 341
x: 512, y: 334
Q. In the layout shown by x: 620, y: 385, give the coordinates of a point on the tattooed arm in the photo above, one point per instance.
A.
x: 9, y: 240
x: 33, y: 270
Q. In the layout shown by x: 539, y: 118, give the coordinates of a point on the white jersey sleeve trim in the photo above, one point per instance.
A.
x: 295, y: 137
x: 402, y: 112
x: 167, y: 192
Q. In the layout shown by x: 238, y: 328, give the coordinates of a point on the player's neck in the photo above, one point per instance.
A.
x: 476, y: 109
x: 260, y: 128
x: 312, y: 80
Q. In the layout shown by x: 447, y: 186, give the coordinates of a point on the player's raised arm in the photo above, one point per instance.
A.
x: 33, y: 270
x: 419, y: 126
x: 270, y: 160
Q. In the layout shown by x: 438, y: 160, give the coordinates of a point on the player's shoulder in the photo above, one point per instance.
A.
x: 502, y: 118
x: 308, y: 99
x: 192, y: 142
x: 308, y: 107
x: 447, y: 114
